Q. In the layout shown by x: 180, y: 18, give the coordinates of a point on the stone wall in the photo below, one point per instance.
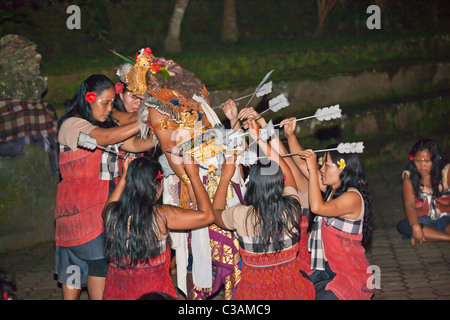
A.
x: 350, y: 90
x: 412, y: 100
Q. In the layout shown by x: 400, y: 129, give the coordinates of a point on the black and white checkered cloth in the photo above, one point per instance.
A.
x: 109, y: 164
x: 429, y: 197
x: 256, y: 244
x: 315, y: 244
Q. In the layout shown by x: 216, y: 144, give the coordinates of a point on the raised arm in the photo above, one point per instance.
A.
x: 184, y: 219
x: 228, y: 168
x: 294, y: 146
x: 272, y: 154
x: 250, y: 113
x: 231, y: 112
x: 348, y: 205
x: 299, y: 177
x: 120, y: 186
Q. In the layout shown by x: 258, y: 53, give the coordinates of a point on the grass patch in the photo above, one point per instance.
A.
x: 243, y: 65
x: 229, y: 66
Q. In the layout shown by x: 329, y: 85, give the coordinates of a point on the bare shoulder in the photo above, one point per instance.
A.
x: 352, y: 202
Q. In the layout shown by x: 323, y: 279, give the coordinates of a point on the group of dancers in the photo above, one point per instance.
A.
x: 285, y: 226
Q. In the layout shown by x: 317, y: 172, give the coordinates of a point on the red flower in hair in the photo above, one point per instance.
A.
x: 155, y: 67
x: 119, y: 87
x: 91, y: 97
x: 411, y: 157
x: 159, y: 176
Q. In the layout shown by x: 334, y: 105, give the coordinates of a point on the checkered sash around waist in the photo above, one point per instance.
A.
x: 315, y: 244
x: 109, y: 164
x: 255, y: 244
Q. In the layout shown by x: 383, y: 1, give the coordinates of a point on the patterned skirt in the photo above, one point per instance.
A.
x: 131, y: 284
x: 273, y: 276
x: 225, y: 258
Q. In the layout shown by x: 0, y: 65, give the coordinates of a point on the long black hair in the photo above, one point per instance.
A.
x: 436, y: 169
x: 353, y: 176
x: 275, y: 215
x: 132, y: 223
x: 79, y: 107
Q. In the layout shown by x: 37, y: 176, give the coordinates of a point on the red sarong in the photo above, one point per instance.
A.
x: 346, y: 257
x: 273, y: 276
x: 133, y: 283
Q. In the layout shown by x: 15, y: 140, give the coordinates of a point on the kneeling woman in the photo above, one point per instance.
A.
x: 268, y: 229
x: 341, y: 227
x: 426, y: 195
x: 137, y: 226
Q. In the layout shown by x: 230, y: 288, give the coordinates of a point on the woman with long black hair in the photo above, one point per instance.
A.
x: 137, y: 226
x: 268, y: 228
x: 426, y: 194
x: 342, y: 226
x: 88, y: 177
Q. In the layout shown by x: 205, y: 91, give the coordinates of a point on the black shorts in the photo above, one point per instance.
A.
x: 74, y: 264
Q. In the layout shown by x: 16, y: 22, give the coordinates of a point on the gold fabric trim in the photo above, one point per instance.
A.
x: 165, y: 124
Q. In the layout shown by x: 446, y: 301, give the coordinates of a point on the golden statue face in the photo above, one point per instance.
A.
x: 136, y: 77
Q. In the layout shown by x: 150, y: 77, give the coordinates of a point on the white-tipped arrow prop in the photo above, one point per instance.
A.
x: 346, y: 147
x: 260, y: 85
x: 328, y: 113
x: 263, y: 81
x: 343, y: 147
x: 249, y: 158
x: 90, y: 143
x: 86, y: 141
x: 266, y: 132
x: 264, y: 90
x: 220, y: 133
x: 278, y: 103
x: 275, y: 105
x: 233, y: 140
